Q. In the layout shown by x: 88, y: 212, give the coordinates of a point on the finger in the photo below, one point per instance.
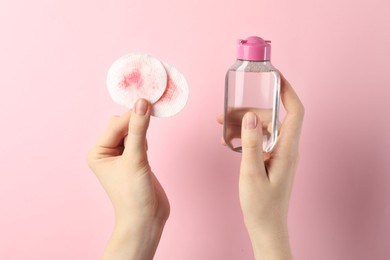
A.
x: 286, y: 151
x: 293, y: 105
x: 234, y: 132
x: 220, y: 119
x: 269, y: 127
x: 146, y: 143
x: 138, y: 125
x: 235, y: 115
x: 252, y: 146
x: 114, y: 133
x: 291, y: 127
x: 110, y: 143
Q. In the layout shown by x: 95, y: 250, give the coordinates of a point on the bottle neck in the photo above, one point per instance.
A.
x: 262, y: 61
x: 253, y: 66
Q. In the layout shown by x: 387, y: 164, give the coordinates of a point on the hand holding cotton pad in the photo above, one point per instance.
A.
x: 138, y: 75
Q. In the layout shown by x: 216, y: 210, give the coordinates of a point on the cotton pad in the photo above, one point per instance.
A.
x: 175, y: 95
x: 136, y: 76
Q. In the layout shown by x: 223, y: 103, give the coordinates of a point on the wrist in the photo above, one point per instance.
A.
x: 270, y: 241
x: 135, y: 240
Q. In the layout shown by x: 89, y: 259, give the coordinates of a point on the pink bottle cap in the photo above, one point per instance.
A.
x: 254, y: 48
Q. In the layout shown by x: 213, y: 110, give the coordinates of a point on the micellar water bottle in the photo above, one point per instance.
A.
x: 252, y: 84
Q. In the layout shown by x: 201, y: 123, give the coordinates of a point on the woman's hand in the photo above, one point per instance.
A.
x: 120, y: 162
x: 266, y: 180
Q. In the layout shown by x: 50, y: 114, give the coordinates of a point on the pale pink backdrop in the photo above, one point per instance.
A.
x: 54, y: 56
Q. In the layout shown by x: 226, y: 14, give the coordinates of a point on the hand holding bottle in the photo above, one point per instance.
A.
x: 266, y: 179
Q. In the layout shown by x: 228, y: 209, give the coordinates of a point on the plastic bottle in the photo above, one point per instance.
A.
x: 252, y: 84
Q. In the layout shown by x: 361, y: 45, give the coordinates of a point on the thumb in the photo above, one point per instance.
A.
x: 252, y: 146
x: 135, y: 143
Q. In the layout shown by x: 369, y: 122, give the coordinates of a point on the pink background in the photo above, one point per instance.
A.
x: 54, y: 56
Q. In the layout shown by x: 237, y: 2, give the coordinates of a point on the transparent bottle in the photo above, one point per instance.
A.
x: 252, y: 84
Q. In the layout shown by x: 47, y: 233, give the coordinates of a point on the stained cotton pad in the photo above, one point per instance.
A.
x: 136, y: 76
x: 175, y: 95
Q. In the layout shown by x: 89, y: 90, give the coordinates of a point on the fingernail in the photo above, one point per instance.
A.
x: 251, y: 121
x: 141, y: 107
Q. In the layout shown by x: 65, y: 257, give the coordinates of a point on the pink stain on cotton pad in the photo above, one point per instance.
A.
x: 136, y: 76
x: 175, y: 95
